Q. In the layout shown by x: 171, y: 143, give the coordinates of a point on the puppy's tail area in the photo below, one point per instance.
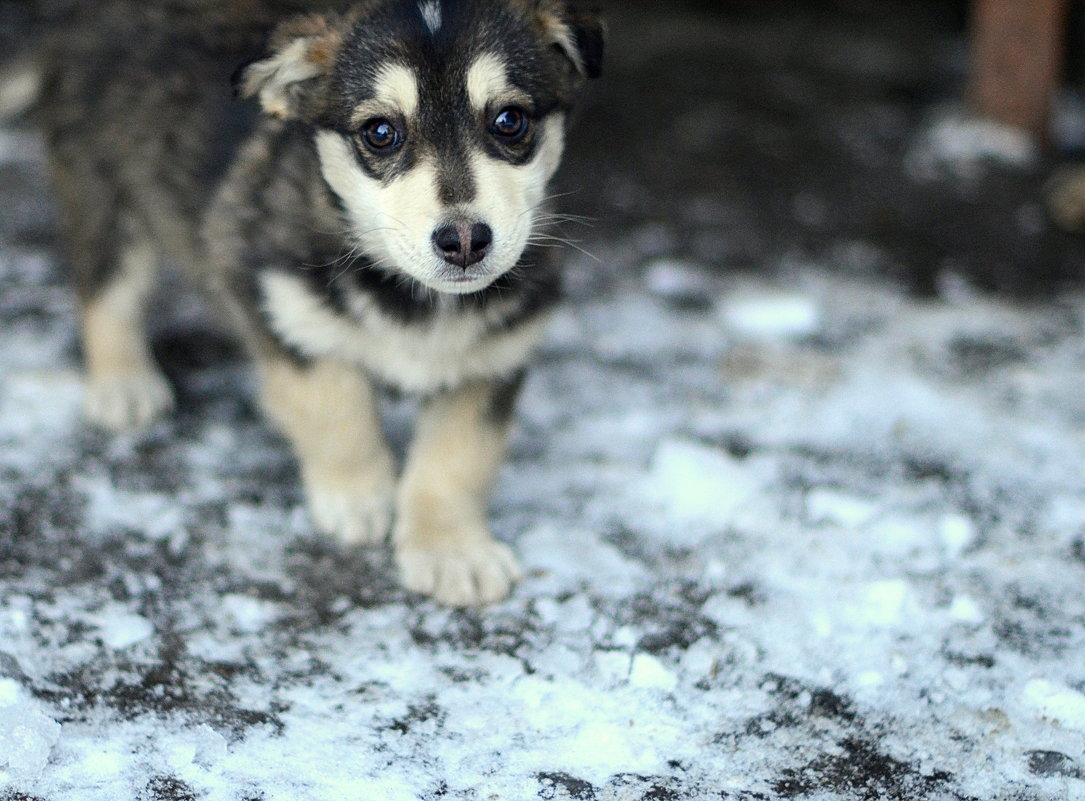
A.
x: 20, y: 86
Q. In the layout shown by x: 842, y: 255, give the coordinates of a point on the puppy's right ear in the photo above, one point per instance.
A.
x: 300, y: 52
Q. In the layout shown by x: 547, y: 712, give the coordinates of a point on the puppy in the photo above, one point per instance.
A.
x: 365, y: 219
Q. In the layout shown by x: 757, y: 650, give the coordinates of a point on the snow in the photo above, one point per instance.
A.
x: 27, y: 735
x: 119, y: 629
x: 812, y: 538
x: 960, y: 144
x: 842, y: 508
x: 694, y: 481
x: 957, y: 532
x: 771, y: 314
x: 965, y: 609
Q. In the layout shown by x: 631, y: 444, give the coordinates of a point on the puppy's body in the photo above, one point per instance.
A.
x: 368, y: 219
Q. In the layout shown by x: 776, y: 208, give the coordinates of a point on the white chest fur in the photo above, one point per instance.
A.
x: 446, y: 349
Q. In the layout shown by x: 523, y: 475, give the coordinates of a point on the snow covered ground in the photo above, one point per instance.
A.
x: 790, y: 533
x: 800, y: 537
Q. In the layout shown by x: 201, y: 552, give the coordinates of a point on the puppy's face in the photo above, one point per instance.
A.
x: 437, y: 124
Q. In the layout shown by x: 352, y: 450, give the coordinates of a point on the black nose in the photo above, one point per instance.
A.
x: 463, y: 243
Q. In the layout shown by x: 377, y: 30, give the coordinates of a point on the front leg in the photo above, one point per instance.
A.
x: 329, y: 412
x: 443, y: 544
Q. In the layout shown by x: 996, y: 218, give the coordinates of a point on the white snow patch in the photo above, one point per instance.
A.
x: 881, y: 603
x: 679, y: 281
x: 157, y: 515
x: 869, y: 678
x: 963, y: 608
x: 698, y: 482
x: 647, y: 672
x: 249, y: 614
x: 614, y: 460
x: 1056, y: 702
x: 595, y: 735
x: 201, y: 746
x: 43, y: 402
x: 957, y: 533
x: 613, y: 666
x: 766, y: 314
x: 120, y: 629
x: 551, y: 554
x: 959, y: 144
x: 836, y: 506
x: 27, y: 735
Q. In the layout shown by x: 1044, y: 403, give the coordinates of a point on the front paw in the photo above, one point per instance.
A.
x: 127, y: 401
x: 467, y: 568
x: 355, y: 510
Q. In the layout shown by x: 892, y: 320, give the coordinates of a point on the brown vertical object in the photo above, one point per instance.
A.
x: 1017, y: 48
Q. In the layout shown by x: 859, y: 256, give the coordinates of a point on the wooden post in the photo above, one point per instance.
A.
x: 1017, y: 50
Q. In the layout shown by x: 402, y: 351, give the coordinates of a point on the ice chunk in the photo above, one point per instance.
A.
x: 249, y: 614
x: 614, y: 746
x: 842, y: 508
x: 869, y: 678
x: 119, y: 629
x: 201, y: 746
x: 1056, y: 702
x: 965, y: 610
x: 768, y: 314
x: 697, y: 481
x: 613, y: 666
x: 647, y: 672
x: 103, y: 762
x: 27, y: 735
x: 9, y: 692
x: 956, y: 532
x: 882, y: 603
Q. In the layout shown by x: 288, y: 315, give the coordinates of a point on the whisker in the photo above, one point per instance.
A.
x: 542, y: 240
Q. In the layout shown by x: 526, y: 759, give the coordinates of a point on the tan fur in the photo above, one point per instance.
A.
x: 329, y: 412
x: 443, y: 545
x: 488, y: 82
x: 549, y: 17
x: 302, y: 49
x: 397, y: 94
x: 125, y: 389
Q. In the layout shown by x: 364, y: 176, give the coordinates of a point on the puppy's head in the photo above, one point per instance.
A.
x: 437, y: 122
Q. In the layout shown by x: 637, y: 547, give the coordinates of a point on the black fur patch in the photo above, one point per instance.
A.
x: 503, y: 399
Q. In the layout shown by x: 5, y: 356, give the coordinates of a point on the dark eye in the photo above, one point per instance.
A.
x: 381, y: 134
x: 510, y: 124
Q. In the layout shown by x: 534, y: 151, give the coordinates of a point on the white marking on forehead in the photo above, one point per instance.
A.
x: 431, y: 14
x: 487, y: 79
x: 397, y: 85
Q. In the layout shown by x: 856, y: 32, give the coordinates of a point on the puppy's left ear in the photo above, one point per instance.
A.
x: 284, y: 79
x: 576, y: 29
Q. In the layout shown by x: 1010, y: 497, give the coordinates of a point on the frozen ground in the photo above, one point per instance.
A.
x: 791, y: 532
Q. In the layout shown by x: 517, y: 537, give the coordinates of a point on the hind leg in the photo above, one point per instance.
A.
x: 125, y: 388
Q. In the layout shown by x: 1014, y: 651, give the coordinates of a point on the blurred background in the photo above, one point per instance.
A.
x: 748, y: 135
